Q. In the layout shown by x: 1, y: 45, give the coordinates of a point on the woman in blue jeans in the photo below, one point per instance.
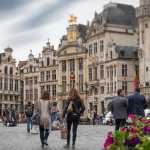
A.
x: 45, y: 118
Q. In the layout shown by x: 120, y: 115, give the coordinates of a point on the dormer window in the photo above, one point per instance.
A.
x: 122, y: 54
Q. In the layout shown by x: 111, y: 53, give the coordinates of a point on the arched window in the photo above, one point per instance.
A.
x: 6, y: 70
x: 11, y: 71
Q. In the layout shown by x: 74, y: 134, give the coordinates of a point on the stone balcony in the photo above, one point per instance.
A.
x: 143, y: 11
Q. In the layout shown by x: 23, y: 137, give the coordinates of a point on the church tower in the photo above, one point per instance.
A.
x: 143, y: 16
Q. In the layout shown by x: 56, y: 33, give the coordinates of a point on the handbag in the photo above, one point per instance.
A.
x: 63, y: 131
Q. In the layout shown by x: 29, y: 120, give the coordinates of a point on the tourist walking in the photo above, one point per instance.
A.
x: 44, y: 108
x: 118, y: 107
x: 29, y: 113
x: 73, y: 110
x: 137, y: 103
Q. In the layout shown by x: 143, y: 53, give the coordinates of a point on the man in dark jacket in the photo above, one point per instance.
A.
x: 137, y: 103
x: 118, y: 107
x: 29, y: 112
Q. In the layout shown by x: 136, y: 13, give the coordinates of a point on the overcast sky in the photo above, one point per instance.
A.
x: 27, y: 24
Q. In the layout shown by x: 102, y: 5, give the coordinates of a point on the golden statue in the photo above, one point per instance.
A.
x: 72, y: 19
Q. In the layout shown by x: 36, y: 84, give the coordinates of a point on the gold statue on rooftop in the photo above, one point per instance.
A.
x: 72, y: 19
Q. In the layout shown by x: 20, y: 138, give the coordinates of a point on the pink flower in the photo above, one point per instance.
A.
x: 109, y: 141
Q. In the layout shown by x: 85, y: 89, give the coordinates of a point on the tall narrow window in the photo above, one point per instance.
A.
x: 6, y: 70
x: 53, y: 74
x: 125, y: 86
x: 80, y: 63
x: 64, y: 66
x: 11, y: 71
x: 102, y: 71
x: 47, y: 75
x: 101, y: 46
x: 124, y: 70
x: 81, y: 83
x: 48, y: 61
x: 42, y: 76
x: 64, y: 84
x: 90, y: 49
x: 95, y: 47
x: 54, y: 90
x: 90, y: 74
x: 72, y: 65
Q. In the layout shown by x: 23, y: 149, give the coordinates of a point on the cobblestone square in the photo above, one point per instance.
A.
x: 16, y: 138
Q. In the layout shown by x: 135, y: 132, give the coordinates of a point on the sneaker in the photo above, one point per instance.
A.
x: 42, y: 145
x: 66, y: 146
x: 45, y: 143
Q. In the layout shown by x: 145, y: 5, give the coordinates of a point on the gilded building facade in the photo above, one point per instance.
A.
x: 143, y: 16
x: 72, y: 60
x: 10, y: 83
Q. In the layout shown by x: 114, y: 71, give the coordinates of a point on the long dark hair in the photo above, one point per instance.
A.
x: 45, y: 95
x: 74, y: 94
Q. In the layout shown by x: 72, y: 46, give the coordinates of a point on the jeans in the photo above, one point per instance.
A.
x: 72, y: 120
x: 44, y: 133
x: 29, y: 124
x: 119, y: 123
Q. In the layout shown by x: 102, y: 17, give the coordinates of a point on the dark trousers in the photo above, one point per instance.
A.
x: 119, y: 123
x: 72, y: 120
x: 44, y: 133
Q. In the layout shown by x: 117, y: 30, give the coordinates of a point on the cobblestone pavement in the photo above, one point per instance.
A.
x: 16, y: 138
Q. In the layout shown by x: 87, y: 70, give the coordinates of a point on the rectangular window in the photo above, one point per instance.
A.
x: 1, y: 83
x: 124, y: 70
x: 5, y: 84
x: 48, y: 88
x: 27, y: 95
x: 11, y: 85
x: 90, y: 74
x: 102, y: 89
x: 90, y: 49
x: 35, y: 94
x: 54, y: 90
x: 95, y: 73
x: 64, y: 66
x: 125, y: 86
x: 42, y: 76
x: 16, y: 85
x: 102, y: 71
x: 80, y: 63
x: 72, y: 65
x: 47, y: 75
x: 81, y: 83
x: 64, y: 84
x: 48, y: 61
x: 35, y: 80
x: 53, y: 74
x: 95, y: 48
x: 101, y: 46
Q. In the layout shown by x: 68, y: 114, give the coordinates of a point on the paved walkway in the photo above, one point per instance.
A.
x: 16, y: 138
